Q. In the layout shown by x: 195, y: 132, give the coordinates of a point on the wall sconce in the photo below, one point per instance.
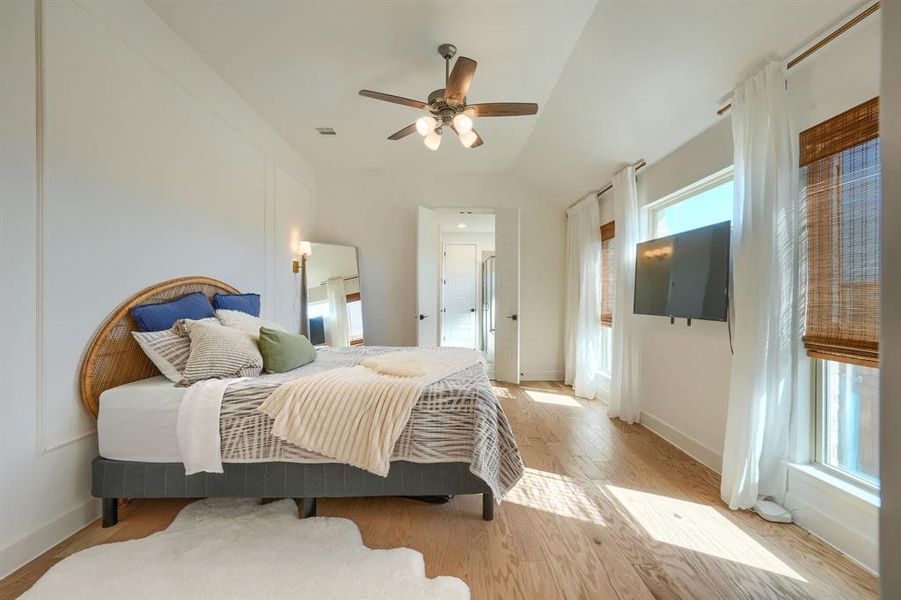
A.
x: 304, y: 249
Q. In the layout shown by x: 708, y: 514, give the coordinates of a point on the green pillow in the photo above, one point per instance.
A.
x: 283, y: 351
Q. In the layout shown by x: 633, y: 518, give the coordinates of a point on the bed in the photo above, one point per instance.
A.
x: 457, y: 440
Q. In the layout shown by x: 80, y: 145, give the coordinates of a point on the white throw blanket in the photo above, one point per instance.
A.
x: 198, y: 426
x: 355, y: 414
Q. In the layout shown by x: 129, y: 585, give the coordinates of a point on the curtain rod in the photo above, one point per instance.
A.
x: 833, y: 32
x: 639, y: 165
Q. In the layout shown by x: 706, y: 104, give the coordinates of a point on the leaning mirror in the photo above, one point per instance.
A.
x: 334, y: 305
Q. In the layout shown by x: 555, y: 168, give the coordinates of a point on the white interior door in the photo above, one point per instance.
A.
x: 458, y: 311
x: 506, y: 340
x: 427, y: 278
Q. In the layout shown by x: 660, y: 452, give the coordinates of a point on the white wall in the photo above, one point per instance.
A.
x: 890, y: 342
x: 686, y: 370
x: 127, y: 163
x: 376, y: 211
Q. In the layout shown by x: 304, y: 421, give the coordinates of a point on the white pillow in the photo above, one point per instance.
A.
x: 169, y: 349
x: 220, y: 352
x: 245, y: 322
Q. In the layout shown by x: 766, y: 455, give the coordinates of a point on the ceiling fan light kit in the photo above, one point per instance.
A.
x: 433, y: 139
x: 447, y: 107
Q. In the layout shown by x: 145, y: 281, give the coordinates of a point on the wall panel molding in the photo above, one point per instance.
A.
x: 44, y: 443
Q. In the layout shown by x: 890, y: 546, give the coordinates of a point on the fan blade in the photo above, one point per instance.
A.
x: 502, y: 109
x: 403, y: 132
x: 392, y: 99
x: 459, y: 81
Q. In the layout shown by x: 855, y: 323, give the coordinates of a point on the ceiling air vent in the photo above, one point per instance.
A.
x: 325, y: 131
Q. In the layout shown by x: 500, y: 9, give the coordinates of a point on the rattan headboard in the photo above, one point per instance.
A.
x: 114, y: 357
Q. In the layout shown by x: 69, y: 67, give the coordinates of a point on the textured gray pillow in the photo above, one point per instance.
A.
x: 169, y: 349
x: 220, y: 352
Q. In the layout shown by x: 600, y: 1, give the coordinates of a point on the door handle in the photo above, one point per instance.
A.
x: 513, y: 317
x: 472, y: 310
x: 421, y: 317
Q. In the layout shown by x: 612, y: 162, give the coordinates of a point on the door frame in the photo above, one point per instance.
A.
x: 512, y: 218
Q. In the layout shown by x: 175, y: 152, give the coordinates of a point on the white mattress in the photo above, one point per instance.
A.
x: 138, y: 421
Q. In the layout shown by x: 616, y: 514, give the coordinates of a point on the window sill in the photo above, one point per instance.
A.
x: 840, y: 485
x: 841, y: 513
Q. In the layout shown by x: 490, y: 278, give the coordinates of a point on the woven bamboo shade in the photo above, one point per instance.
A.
x: 608, y: 273
x: 841, y: 190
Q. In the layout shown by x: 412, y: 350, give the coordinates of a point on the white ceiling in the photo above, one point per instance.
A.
x: 301, y: 64
x: 646, y: 77
x: 449, y: 221
x: 615, y: 82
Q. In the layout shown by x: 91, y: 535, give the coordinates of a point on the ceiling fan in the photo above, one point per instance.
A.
x: 448, y: 107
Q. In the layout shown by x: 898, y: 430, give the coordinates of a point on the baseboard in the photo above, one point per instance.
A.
x: 684, y: 442
x: 37, y: 542
x: 542, y: 375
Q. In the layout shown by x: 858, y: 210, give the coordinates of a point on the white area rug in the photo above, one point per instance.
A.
x: 234, y: 548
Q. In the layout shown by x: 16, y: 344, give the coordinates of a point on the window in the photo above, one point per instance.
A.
x: 841, y: 186
x: 608, y: 293
x: 703, y: 203
x: 608, y: 273
x: 848, y: 420
x: 355, y: 319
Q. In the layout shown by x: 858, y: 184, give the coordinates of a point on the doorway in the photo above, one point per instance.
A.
x: 468, y: 284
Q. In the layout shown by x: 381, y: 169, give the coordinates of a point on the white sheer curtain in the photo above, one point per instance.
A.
x: 764, y: 299
x: 582, y: 354
x: 623, y: 401
x: 337, y: 331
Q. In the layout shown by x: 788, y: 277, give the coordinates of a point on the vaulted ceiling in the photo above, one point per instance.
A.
x: 615, y: 81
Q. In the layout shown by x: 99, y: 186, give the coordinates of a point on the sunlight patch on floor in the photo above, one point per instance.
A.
x: 697, y: 527
x: 546, y: 397
x: 502, y: 392
x: 557, y: 494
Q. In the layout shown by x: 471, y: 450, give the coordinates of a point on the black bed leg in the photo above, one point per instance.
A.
x: 110, y: 512
x: 488, y: 506
x: 309, y: 508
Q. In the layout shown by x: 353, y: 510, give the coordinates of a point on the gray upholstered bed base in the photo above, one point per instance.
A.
x: 114, y: 479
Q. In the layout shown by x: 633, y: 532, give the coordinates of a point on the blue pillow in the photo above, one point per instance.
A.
x: 162, y: 315
x: 246, y: 303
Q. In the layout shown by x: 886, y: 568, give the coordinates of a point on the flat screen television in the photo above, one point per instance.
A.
x: 685, y: 275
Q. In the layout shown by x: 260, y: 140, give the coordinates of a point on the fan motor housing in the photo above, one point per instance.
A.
x: 440, y: 108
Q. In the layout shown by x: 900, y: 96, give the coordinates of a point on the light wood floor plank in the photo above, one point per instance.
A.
x: 606, y: 510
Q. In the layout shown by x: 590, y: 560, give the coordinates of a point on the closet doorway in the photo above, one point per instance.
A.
x: 468, y: 284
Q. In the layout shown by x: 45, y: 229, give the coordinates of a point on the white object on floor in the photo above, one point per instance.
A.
x: 226, y: 548
x: 771, y: 511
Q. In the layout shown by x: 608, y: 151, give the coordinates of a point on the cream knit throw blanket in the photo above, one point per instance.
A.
x: 355, y: 414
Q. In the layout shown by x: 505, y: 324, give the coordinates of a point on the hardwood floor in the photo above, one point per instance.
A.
x: 606, y: 510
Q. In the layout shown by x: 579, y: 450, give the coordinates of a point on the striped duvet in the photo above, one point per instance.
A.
x: 457, y: 419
